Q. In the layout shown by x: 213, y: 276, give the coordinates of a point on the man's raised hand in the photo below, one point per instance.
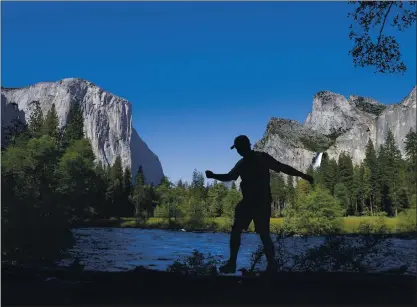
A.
x: 209, y: 174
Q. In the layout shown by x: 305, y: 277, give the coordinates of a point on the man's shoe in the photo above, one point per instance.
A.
x: 228, y: 268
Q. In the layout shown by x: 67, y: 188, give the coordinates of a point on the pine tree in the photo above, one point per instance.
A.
x: 139, y: 197
x: 127, y: 192
x: 357, y: 186
x: 411, y: 155
x: 290, y: 190
x: 216, y: 193
x: 51, y: 124
x: 345, y: 176
x: 36, y: 120
x: 331, y: 176
x: 127, y: 181
x: 74, y: 129
x: 115, y: 188
x: 367, y: 188
x: 278, y: 191
x: 341, y: 193
x: 372, y: 164
x: 392, y: 170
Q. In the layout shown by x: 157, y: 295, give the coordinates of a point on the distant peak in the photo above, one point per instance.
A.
x: 411, y: 97
x: 327, y: 94
x: 356, y: 99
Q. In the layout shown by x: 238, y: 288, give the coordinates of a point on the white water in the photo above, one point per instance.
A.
x: 317, y: 160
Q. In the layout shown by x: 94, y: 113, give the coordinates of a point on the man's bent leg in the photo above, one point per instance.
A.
x: 241, y: 221
x: 262, y: 222
x: 230, y: 266
x: 234, y: 244
x: 269, y: 249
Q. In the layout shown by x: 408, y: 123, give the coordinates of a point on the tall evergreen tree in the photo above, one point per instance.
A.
x: 51, y: 123
x: 373, y: 179
x: 74, y: 129
x: 290, y: 190
x: 115, y: 188
x: 127, y: 181
x: 278, y: 193
x: 331, y: 176
x: 341, y: 193
x: 393, y: 173
x: 215, y: 196
x: 357, y: 186
x: 36, y: 120
x: 127, y: 192
x: 139, y: 194
x: 345, y: 176
x: 411, y: 155
x: 367, y: 188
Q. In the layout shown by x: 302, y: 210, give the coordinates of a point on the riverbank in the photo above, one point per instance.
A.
x: 143, y: 286
x: 351, y: 225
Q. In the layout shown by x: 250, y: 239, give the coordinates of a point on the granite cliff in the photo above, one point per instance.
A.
x: 107, y: 120
x: 338, y: 124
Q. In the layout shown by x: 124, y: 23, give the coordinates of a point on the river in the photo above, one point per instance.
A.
x: 120, y: 249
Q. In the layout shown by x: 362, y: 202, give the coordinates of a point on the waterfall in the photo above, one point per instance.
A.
x: 317, y: 160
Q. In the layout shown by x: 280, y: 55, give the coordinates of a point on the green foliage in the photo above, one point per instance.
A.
x: 29, y: 201
x: 316, y: 144
x: 74, y: 129
x: 345, y: 177
x: 375, y: 109
x: 391, y: 176
x: 290, y: 193
x: 411, y: 154
x: 341, y: 193
x: 76, y: 177
x: 216, y: 193
x: 371, y: 46
x: 407, y: 221
x: 278, y: 193
x: 232, y: 198
x: 51, y: 124
x: 314, y: 213
x: 36, y: 120
x: 140, y: 197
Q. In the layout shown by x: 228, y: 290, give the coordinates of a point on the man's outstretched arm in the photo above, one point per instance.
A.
x: 232, y: 175
x: 286, y: 169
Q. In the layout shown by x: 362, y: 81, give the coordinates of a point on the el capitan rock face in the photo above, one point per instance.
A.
x: 337, y: 125
x: 107, y: 120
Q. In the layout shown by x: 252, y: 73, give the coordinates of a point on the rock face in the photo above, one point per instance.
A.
x: 107, y: 120
x: 337, y: 125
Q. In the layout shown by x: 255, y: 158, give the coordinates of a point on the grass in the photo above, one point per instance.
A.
x: 351, y: 224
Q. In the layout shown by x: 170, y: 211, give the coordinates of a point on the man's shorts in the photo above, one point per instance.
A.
x: 259, y: 212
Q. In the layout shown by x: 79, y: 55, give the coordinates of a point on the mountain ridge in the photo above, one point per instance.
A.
x: 107, y: 120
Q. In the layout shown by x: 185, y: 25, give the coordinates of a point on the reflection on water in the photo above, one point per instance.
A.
x: 119, y: 249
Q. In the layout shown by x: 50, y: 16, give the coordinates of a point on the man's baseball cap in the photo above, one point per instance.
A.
x: 241, y: 141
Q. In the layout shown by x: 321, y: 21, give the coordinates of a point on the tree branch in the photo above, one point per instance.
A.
x: 383, y: 23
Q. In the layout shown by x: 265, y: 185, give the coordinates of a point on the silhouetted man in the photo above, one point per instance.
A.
x: 253, y: 170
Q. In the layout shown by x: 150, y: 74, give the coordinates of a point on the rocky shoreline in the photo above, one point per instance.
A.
x: 32, y: 286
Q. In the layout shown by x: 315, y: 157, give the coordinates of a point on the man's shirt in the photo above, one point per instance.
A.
x: 253, y: 170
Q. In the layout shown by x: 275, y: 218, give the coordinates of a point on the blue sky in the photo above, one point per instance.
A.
x: 197, y: 74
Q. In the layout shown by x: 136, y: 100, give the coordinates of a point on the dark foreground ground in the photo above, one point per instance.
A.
x: 32, y: 287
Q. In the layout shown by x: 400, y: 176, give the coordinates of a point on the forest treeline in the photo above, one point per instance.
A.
x: 51, y: 182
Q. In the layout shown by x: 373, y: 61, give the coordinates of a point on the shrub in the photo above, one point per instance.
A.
x: 314, y: 214
x: 196, y: 264
x: 407, y: 221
